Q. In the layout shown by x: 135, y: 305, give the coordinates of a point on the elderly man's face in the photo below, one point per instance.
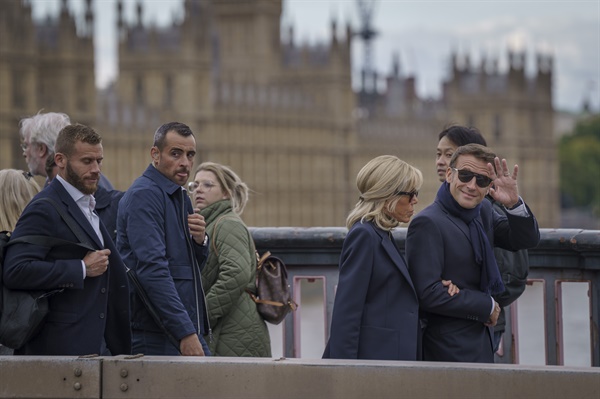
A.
x: 468, y: 194
x: 35, y: 156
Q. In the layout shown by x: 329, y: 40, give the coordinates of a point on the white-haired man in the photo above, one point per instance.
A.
x: 38, y: 136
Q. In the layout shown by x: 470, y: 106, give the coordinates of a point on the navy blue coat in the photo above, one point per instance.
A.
x: 438, y: 247
x: 375, y: 313
x: 154, y: 240
x: 107, y: 204
x: 88, y: 309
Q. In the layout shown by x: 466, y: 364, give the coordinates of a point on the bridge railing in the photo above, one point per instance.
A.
x: 555, y: 322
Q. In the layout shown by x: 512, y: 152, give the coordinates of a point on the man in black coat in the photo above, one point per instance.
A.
x: 452, y: 239
x: 91, y: 314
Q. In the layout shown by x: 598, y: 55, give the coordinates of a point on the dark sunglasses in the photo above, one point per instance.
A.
x: 466, y: 176
x: 411, y: 194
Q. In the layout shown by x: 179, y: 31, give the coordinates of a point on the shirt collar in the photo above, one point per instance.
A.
x: 77, y: 195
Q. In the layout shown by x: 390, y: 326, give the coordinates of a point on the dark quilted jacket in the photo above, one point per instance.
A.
x: 238, y: 329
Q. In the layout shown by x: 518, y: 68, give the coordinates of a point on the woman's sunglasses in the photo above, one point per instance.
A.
x: 411, y: 194
x: 466, y: 176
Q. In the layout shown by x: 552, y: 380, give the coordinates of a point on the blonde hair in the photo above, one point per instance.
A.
x: 17, y: 188
x: 379, y: 181
x: 231, y: 183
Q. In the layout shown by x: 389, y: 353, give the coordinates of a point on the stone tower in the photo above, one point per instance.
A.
x: 44, y: 65
x: 514, y: 112
x: 278, y: 113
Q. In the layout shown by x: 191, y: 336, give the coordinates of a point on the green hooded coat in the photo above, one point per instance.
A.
x: 237, y: 328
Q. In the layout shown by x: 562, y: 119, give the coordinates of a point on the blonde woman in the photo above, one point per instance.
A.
x: 376, y: 310
x: 17, y: 188
x: 238, y: 329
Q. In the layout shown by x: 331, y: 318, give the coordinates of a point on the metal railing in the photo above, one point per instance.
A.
x: 567, y: 261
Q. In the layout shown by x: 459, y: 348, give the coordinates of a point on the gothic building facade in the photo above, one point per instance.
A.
x: 283, y: 115
x: 44, y: 65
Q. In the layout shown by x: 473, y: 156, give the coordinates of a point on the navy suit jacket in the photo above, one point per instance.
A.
x: 438, y: 247
x: 376, y: 311
x: 89, y: 309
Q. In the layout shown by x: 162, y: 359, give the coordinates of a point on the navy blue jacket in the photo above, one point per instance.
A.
x: 438, y: 247
x: 88, y: 309
x: 107, y: 204
x: 376, y: 311
x: 154, y: 240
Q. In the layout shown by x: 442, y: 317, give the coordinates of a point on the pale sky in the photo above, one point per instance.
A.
x: 422, y: 32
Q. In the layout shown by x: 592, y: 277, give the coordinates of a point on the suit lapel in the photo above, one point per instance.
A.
x: 462, y: 226
x: 394, y: 255
x: 76, y: 212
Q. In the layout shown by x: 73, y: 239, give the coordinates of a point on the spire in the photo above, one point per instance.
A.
x: 139, y: 12
x: 396, y: 65
x: 291, y: 35
x: 334, y: 38
x: 119, y: 15
x: 89, y: 17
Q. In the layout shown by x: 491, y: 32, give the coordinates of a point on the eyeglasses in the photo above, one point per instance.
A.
x: 466, y: 176
x: 27, y: 175
x: 24, y: 146
x: 411, y: 194
x: 206, y: 186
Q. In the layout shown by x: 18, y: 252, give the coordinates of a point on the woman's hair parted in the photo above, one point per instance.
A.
x: 379, y: 181
x: 231, y: 183
x: 18, y: 188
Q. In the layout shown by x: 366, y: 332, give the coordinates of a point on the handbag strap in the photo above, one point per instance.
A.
x: 68, y: 220
x: 45, y: 241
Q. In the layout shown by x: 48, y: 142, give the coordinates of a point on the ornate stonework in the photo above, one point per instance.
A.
x: 283, y: 115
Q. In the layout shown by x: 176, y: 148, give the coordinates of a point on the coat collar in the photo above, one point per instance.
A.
x: 161, y: 180
x: 393, y: 252
x: 462, y: 226
x: 75, y: 212
x: 212, y: 212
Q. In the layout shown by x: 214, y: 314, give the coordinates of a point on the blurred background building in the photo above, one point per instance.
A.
x: 283, y: 115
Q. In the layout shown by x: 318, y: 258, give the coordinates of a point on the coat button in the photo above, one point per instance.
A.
x: 101, y: 315
x: 103, y: 290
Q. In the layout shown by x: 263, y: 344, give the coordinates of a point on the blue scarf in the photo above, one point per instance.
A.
x: 491, y: 281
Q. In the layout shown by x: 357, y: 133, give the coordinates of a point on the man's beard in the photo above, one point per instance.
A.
x: 34, y: 166
x: 78, y: 182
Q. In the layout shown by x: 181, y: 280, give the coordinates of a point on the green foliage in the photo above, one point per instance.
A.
x: 579, y: 156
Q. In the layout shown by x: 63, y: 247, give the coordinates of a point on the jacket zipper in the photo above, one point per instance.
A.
x: 195, y: 273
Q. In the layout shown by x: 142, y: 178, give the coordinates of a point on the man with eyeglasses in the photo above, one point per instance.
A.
x: 452, y: 239
x: 38, y: 136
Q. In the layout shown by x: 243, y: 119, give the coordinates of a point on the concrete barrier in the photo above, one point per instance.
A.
x: 170, y: 377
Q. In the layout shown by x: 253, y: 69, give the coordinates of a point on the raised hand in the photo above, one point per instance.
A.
x: 197, y: 226
x: 504, y: 186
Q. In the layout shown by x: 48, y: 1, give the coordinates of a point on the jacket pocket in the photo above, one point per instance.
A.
x: 181, y: 272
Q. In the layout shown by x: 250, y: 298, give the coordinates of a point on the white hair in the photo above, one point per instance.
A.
x: 43, y: 128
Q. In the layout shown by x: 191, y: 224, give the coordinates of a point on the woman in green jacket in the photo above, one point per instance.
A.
x: 237, y: 328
